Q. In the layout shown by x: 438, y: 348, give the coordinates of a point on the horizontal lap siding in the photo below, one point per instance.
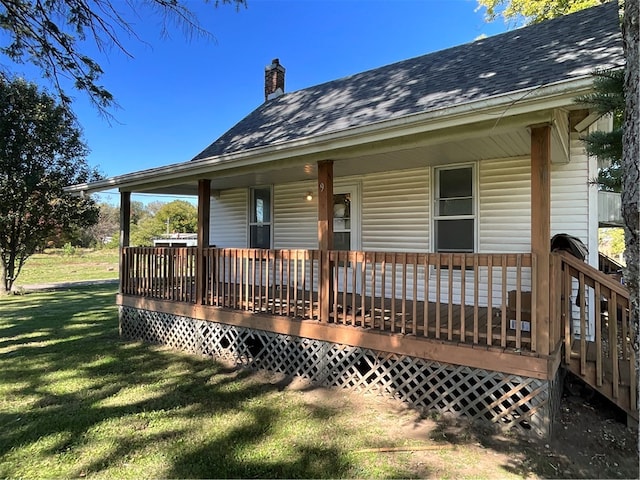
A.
x: 395, y: 211
x: 295, y: 218
x: 570, y: 194
x: 505, y: 217
x: 229, y: 219
x: 570, y: 208
x: 505, y: 206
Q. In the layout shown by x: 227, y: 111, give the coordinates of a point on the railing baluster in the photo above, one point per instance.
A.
x: 363, y: 288
x: 490, y: 299
x: 345, y: 272
x: 598, y: 332
x: 392, y: 324
x: 274, y: 276
x: 414, y: 312
x: 403, y: 300
x: 613, y: 343
x: 425, y: 320
x: 476, y: 294
x: 383, y: 291
x: 438, y: 283
x: 450, y: 298
x: 373, y: 262
x: 566, y: 308
x: 279, y: 254
x: 403, y: 326
x: 583, y: 324
x: 312, y: 287
x: 353, y: 261
x: 518, y: 307
x: 463, y: 295
x: 503, y: 308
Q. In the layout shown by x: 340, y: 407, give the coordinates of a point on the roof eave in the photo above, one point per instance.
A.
x: 493, y: 108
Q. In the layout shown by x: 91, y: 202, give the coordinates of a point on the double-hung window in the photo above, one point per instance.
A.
x: 260, y: 218
x: 454, y: 219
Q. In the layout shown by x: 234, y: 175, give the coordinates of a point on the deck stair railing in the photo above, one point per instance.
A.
x: 594, y: 312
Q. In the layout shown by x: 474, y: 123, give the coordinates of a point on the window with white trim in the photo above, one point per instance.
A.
x: 260, y: 218
x: 454, y: 212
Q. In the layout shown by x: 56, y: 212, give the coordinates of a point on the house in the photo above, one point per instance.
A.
x: 390, y: 232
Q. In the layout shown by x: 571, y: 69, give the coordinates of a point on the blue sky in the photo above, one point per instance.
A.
x: 178, y: 95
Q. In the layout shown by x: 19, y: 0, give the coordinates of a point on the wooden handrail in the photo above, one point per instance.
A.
x: 456, y: 297
x: 599, y: 346
x: 591, y: 272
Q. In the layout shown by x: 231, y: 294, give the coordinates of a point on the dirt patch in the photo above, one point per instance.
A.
x: 590, y: 440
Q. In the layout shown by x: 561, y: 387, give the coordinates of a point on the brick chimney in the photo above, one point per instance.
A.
x: 273, y: 80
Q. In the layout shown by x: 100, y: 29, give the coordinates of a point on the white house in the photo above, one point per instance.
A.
x: 390, y: 231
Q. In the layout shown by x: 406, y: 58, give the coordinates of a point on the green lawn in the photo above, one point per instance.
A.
x: 54, y: 266
x: 76, y: 400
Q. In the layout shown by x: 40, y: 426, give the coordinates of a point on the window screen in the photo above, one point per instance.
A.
x: 454, y: 226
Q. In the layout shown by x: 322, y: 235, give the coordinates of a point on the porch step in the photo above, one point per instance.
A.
x: 624, y: 397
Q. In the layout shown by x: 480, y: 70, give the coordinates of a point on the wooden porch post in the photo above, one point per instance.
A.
x: 325, y: 233
x: 541, y: 229
x: 204, y: 212
x: 125, y: 231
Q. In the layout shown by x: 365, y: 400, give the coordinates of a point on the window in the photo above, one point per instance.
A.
x: 260, y: 218
x: 454, y: 219
x: 342, y: 223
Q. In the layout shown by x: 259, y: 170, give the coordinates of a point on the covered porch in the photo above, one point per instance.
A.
x: 498, y: 324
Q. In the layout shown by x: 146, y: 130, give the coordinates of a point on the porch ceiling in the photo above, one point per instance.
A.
x: 399, y: 155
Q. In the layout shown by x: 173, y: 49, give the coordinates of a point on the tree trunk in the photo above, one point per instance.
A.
x: 3, y: 279
x: 631, y: 166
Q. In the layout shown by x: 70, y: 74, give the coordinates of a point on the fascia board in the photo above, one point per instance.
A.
x: 519, y: 102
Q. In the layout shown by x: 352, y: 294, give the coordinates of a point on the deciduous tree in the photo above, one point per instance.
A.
x: 41, y: 152
x: 533, y: 11
x: 178, y: 216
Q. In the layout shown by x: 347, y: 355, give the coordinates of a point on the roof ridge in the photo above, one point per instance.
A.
x: 498, y: 36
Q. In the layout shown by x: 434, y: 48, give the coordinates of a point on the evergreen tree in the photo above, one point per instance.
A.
x: 607, y: 99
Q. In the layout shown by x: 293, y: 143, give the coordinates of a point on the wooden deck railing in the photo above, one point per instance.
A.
x: 483, y: 299
x: 594, y: 309
x: 167, y: 273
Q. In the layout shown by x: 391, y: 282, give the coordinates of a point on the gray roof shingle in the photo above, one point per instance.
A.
x: 565, y: 48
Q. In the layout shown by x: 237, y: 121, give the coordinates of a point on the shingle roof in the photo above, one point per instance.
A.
x: 566, y: 48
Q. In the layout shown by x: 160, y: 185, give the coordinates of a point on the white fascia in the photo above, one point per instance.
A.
x: 501, y: 106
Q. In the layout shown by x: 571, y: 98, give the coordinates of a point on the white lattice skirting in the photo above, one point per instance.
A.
x: 519, y: 403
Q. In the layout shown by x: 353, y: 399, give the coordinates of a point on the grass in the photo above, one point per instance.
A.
x: 55, y: 266
x: 76, y: 401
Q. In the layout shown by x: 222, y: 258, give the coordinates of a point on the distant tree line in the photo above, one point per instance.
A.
x: 148, y: 221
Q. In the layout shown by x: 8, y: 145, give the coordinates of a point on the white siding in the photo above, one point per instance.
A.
x: 295, y: 218
x: 505, y: 206
x: 570, y: 194
x: 570, y: 211
x: 228, y: 224
x: 395, y: 211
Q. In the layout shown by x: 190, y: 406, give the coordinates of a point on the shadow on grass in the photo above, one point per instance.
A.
x: 67, y: 378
